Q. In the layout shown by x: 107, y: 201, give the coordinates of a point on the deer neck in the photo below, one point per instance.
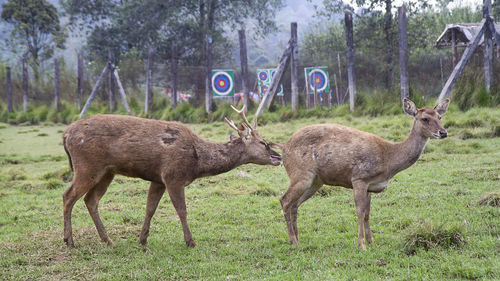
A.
x: 404, y: 154
x: 217, y: 158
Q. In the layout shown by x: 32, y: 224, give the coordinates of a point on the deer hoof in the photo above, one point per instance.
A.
x: 190, y: 244
x: 69, y: 243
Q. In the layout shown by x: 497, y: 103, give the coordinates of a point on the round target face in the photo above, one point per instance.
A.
x: 264, y: 89
x: 222, y: 83
x: 318, y: 80
x: 263, y: 76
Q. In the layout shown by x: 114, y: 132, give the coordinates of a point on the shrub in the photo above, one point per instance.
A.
x: 53, y: 183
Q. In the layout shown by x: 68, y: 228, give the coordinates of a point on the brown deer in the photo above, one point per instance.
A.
x: 168, y: 154
x: 333, y: 154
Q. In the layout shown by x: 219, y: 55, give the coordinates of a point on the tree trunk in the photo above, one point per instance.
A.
x: 111, y: 90
x: 389, y: 59
x: 350, y: 60
x: 80, y: 81
x: 173, y: 97
x: 56, y: 83
x: 403, y: 53
x: 25, y: 86
x: 244, y: 66
x: 9, y: 90
x: 293, y: 69
x: 454, y: 50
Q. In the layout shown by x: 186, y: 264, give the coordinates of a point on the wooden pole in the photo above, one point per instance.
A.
x: 293, y: 69
x: 336, y: 88
x: 441, y: 66
x: 350, y: 60
x: 9, y: 90
x: 121, y: 91
x: 445, y: 92
x: 79, y: 95
x: 488, y: 47
x: 208, y: 74
x: 306, y: 91
x: 403, y: 53
x: 340, y: 72
x: 56, y: 83
x: 244, y: 66
x: 111, y: 90
x: 149, y: 82
x: 94, y: 91
x: 173, y: 97
x: 454, y: 50
x: 315, y: 96
x: 266, y: 100
x: 25, y: 86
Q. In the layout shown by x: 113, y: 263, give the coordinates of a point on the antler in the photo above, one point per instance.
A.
x: 242, y: 114
x: 231, y: 124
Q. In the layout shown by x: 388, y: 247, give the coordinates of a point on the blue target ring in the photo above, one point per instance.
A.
x: 222, y: 83
x: 263, y: 76
x: 318, y: 80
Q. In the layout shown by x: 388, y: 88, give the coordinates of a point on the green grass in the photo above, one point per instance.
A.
x: 429, y: 224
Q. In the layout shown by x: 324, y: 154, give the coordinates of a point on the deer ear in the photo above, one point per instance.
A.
x: 442, y: 106
x: 409, y: 107
x: 232, y: 137
x: 242, y: 130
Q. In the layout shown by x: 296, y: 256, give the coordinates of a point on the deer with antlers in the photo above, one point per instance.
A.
x: 168, y: 154
x: 333, y: 154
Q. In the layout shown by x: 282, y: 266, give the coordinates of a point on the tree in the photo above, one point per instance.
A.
x: 123, y: 25
x: 36, y: 28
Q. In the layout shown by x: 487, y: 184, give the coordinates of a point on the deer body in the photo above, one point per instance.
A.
x: 168, y: 154
x: 337, y: 155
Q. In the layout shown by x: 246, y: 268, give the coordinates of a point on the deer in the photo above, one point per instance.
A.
x: 167, y: 154
x: 337, y: 155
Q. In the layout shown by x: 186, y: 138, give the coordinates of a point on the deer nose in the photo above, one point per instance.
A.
x: 443, y: 134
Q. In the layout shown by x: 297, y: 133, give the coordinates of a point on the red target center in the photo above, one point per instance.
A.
x: 318, y: 80
x: 222, y: 83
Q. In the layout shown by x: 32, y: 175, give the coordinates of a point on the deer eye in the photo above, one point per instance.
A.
x: 265, y: 144
x: 439, y: 117
x: 425, y: 120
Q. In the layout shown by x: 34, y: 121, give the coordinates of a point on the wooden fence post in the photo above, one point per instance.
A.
x: 266, y: 100
x: 173, y: 96
x: 111, y: 90
x: 25, y: 86
x: 80, y: 81
x: 9, y: 90
x: 403, y: 53
x: 244, y: 66
x: 94, y: 91
x: 120, y: 88
x: 350, y: 60
x: 293, y: 69
x: 56, y: 83
x: 445, y: 92
x: 488, y: 47
x: 208, y: 74
x: 149, y: 82
x: 336, y: 88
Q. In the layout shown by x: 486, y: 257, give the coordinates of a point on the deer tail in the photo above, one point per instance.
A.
x: 67, y: 152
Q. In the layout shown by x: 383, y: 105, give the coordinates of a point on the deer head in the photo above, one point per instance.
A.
x: 428, y: 121
x: 258, y: 150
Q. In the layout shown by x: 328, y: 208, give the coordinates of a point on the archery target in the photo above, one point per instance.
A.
x: 318, y: 80
x: 222, y: 83
x: 265, y: 89
x: 263, y: 75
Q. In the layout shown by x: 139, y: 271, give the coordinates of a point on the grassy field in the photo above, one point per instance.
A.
x: 439, y: 219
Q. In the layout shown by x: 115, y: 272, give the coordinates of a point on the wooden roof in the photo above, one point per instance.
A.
x: 464, y: 33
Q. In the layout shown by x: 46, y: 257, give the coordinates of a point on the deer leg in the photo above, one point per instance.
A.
x: 78, y: 188
x: 307, y: 194
x: 289, y: 202
x: 92, y: 201
x: 155, y: 193
x: 368, y: 232
x: 176, y: 192
x: 360, y: 198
